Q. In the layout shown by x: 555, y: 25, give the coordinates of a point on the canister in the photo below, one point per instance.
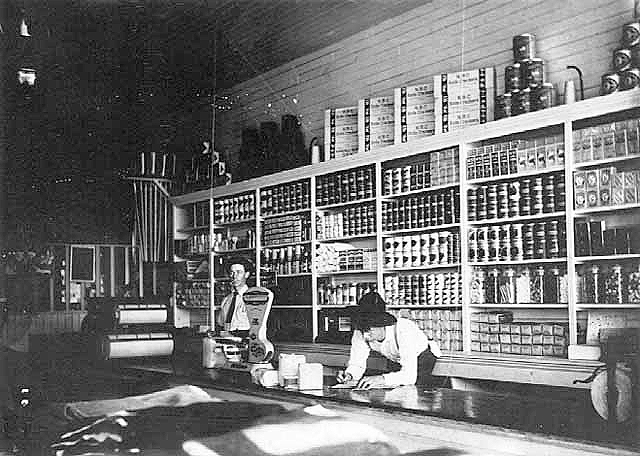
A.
x: 610, y: 83
x: 545, y: 96
x: 534, y: 72
x: 622, y: 59
x: 630, y: 79
x: 524, y: 46
x: 513, y: 77
x: 631, y: 34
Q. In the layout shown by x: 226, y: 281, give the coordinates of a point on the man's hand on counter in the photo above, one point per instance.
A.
x: 343, y: 377
x: 372, y: 381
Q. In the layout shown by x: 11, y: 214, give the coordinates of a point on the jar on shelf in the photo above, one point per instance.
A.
x: 523, y: 286
x: 493, y: 286
x: 508, y: 287
x: 552, y: 286
x: 537, y: 286
x: 477, y: 289
x: 633, y: 287
x: 563, y: 288
x: 613, y: 287
x: 592, y: 285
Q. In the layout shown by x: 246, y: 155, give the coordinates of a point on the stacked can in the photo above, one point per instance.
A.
x: 345, y: 186
x: 525, y: 88
x: 626, y: 62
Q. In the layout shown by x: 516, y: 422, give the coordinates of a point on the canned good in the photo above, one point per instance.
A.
x: 527, y: 241
x: 610, y: 83
x: 483, y: 244
x: 524, y: 46
x: 521, y: 101
x: 473, y: 244
x: 631, y: 34
x: 516, y: 242
x: 630, y: 79
x: 493, y: 242
x: 622, y: 59
x: 472, y: 204
x: 503, y: 105
x: 533, y: 72
x: 513, y: 77
x: 504, y: 243
x: 545, y: 96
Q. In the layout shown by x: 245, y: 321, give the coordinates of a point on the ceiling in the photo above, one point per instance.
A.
x: 116, y: 77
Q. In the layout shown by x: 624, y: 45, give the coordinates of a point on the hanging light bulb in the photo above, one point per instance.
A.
x: 24, y: 29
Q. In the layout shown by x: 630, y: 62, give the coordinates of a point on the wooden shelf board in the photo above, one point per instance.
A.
x: 426, y: 306
x: 521, y: 306
x: 533, y: 261
x: 286, y: 244
x: 603, y: 209
x: 302, y: 274
x: 364, y: 271
x: 347, y: 238
x: 435, y: 188
x: 191, y: 229
x: 589, y: 259
x: 608, y: 306
x: 518, y: 175
x: 282, y: 214
x: 348, y: 203
x: 605, y: 161
x: 235, y: 222
x: 421, y: 268
x: 420, y: 230
x: 227, y: 252
x: 521, y: 218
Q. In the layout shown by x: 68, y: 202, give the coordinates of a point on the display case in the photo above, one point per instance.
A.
x: 504, y: 239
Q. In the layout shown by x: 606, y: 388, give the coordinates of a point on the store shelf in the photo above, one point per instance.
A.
x: 348, y: 203
x: 608, y: 306
x: 293, y: 306
x: 286, y: 244
x: 192, y: 255
x: 589, y: 259
x: 446, y: 226
x: 435, y: 188
x: 227, y: 252
x: 302, y: 274
x: 605, y: 161
x: 605, y: 209
x: 363, y: 271
x: 347, y: 238
x: 282, y: 214
x: 191, y: 229
x: 533, y: 261
x: 521, y: 218
x: 427, y: 306
x: 235, y: 222
x: 423, y: 268
x: 520, y: 306
x: 520, y: 174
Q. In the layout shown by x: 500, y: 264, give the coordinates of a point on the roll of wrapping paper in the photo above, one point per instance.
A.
x: 137, y: 345
x: 141, y: 316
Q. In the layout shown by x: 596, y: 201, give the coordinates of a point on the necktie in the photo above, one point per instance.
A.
x: 232, y: 307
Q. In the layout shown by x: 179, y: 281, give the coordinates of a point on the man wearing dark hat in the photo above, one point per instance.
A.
x: 233, y: 313
x: 399, y: 340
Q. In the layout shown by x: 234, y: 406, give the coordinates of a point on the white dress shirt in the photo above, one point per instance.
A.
x: 411, y: 341
x: 239, y: 319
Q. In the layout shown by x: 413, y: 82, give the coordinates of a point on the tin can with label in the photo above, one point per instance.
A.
x: 610, y: 83
x: 514, y: 199
x: 549, y: 195
x: 481, y: 195
x: 472, y: 204
x: 631, y: 34
x: 483, y: 244
x: 493, y: 242
x: 523, y: 101
x: 388, y: 182
x: 545, y: 96
x: 516, y: 253
x: 503, y: 200
x: 540, y: 240
x: 622, y: 59
x: 515, y: 102
x: 524, y: 46
x: 537, y: 196
x: 527, y: 241
x: 630, y: 79
x: 534, y: 72
x: 553, y: 246
x: 504, y: 251
x: 492, y: 202
x: 513, y: 77
x: 473, y: 244
x: 503, y: 105
x: 525, y: 197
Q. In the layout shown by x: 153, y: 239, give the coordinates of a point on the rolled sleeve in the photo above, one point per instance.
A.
x: 408, y: 373
x: 358, y: 355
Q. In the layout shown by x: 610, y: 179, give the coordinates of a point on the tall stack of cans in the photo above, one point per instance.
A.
x: 524, y: 82
x: 626, y: 62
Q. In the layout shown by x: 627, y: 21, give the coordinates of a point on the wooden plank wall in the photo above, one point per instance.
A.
x: 440, y: 36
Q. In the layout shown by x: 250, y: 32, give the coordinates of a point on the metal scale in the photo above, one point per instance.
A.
x: 254, y: 351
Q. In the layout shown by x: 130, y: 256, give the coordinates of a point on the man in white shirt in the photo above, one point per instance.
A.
x: 233, y: 313
x: 399, y: 340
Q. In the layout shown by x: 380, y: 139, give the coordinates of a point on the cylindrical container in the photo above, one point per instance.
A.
x: 537, y: 286
x: 622, y: 59
x: 516, y: 252
x: 540, y: 240
x: 630, y: 79
x: 503, y: 105
x: 537, y: 196
x: 570, y: 92
x: 528, y: 241
x: 545, y: 96
x: 524, y: 46
x: 493, y: 286
x: 288, y: 368
x: 504, y: 246
x: 523, y: 101
x: 481, y: 195
x: 513, y: 77
x: 614, y: 287
x: 472, y: 205
x: 610, y: 83
x: 508, y: 291
x: 631, y: 34
x: 534, y: 72
x: 473, y: 244
x: 494, y: 242
x: 514, y: 199
x: 503, y: 200
x: 553, y: 246
x: 483, y: 244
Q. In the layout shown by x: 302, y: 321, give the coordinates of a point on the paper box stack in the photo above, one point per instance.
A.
x: 414, y: 112
x: 340, y: 132
x: 463, y: 99
x: 375, y: 123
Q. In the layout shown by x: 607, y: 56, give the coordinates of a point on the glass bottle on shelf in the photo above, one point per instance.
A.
x: 493, y: 286
x: 508, y: 287
x: 551, y: 286
x: 537, y: 286
x: 523, y: 286
x: 592, y: 285
x: 478, y: 291
x: 613, y: 286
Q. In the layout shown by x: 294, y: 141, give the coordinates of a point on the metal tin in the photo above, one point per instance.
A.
x: 492, y: 202
x: 545, y: 96
x: 537, y: 196
x: 514, y: 199
x: 622, y: 59
x: 493, y: 242
x: 540, y: 240
x: 631, y: 34
x: 548, y: 195
x: 504, y: 249
x: 513, y: 77
x: 630, y: 79
x: 481, y: 194
x: 522, y: 101
x: 610, y: 83
x: 524, y: 46
x: 533, y: 72
x: 503, y: 105
x: 553, y: 246
x: 483, y: 244
x: 472, y: 204
x: 516, y: 252
x: 527, y: 241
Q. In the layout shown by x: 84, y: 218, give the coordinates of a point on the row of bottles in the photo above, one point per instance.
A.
x: 287, y: 197
x: 439, y: 168
x: 539, y: 195
x: 227, y: 241
x: 426, y: 249
x: 234, y: 209
x: 342, y: 294
x: 287, y: 260
x: 424, y: 211
x: 352, y: 221
x: 286, y: 229
x: 345, y: 186
x: 612, y: 284
x: 193, y: 294
x: 522, y: 285
x: 434, y: 289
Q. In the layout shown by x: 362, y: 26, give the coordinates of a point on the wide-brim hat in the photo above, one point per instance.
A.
x: 371, y: 312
